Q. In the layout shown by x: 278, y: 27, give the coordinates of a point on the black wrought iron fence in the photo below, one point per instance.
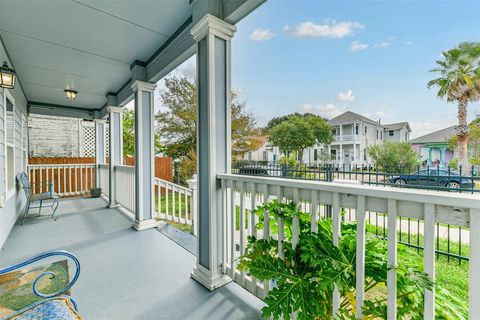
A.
x: 451, y: 241
x: 441, y: 178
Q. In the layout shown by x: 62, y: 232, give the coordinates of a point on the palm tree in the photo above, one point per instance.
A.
x: 459, y: 82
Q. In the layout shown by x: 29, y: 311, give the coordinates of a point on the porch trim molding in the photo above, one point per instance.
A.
x: 115, y: 146
x: 211, y: 25
x: 145, y: 224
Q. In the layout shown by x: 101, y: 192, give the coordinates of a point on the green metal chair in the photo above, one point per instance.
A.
x: 33, y: 197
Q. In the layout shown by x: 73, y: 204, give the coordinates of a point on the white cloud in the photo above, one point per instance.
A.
x: 346, y: 96
x: 384, y: 43
x: 309, y: 29
x: 262, y: 34
x: 358, y: 46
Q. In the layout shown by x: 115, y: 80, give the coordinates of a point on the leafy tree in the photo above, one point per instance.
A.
x: 128, y: 122
x: 277, y: 120
x: 305, y: 275
x: 394, y: 157
x: 177, y: 121
x: 459, y: 82
x: 297, y: 133
x: 128, y: 133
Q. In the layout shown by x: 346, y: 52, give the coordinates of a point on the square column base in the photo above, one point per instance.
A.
x: 112, y: 205
x: 145, y: 224
x: 206, y: 279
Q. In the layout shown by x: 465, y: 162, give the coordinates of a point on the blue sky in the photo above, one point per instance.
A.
x: 370, y: 57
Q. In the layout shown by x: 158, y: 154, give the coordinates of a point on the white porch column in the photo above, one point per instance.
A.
x: 100, y: 126
x: 144, y: 155
x: 115, y: 150
x: 354, y: 153
x: 212, y: 36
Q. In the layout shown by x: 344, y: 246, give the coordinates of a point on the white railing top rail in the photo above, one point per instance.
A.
x: 172, y: 184
x: 103, y: 165
x: 61, y: 165
x: 125, y: 168
x: 452, y: 208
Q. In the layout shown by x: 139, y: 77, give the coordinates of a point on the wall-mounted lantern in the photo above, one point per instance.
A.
x: 7, y: 76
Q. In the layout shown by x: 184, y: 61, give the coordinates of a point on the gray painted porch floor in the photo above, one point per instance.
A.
x: 126, y: 274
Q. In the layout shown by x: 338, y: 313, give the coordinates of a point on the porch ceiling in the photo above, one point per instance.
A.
x: 84, y: 45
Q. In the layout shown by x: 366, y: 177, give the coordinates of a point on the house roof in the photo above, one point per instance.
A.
x: 398, y: 126
x: 437, y: 136
x: 349, y: 116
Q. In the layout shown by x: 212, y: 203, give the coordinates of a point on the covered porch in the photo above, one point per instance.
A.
x: 128, y: 274
x: 117, y: 57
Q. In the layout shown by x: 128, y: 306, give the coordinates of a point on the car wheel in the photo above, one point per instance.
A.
x: 453, y: 185
x: 400, y: 181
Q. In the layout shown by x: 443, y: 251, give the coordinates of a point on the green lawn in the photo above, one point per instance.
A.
x: 162, y: 204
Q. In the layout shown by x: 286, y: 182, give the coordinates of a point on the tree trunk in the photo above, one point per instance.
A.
x: 462, y: 144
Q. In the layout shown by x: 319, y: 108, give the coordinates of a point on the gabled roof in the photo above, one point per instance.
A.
x: 350, y: 117
x: 398, y: 126
x: 437, y: 136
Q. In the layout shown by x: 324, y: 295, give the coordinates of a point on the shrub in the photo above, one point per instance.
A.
x: 305, y: 277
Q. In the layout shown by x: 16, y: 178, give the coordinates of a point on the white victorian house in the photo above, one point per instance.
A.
x: 353, y: 134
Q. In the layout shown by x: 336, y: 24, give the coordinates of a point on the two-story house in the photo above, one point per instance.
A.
x: 353, y: 134
x: 397, y: 132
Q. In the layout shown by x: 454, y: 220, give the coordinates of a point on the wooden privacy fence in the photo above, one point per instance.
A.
x: 75, y: 176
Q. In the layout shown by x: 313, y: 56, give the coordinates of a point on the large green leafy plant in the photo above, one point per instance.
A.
x: 304, y: 278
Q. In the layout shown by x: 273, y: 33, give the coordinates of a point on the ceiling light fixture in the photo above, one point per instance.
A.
x: 71, y: 94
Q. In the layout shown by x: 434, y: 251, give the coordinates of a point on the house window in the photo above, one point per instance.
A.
x: 366, y: 130
x: 24, y: 143
x: 356, y: 128
x: 406, y: 136
x: 377, y: 133
x: 265, y: 158
x: 315, y: 154
x: 10, y: 145
x: 250, y: 155
x: 364, y: 154
x: 333, y: 154
x: 390, y: 133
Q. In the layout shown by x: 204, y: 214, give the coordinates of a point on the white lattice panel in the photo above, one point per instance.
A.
x: 88, y: 139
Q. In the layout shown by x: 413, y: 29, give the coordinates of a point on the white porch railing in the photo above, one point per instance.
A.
x: 68, y: 179
x: 173, y: 202
x: 125, y: 187
x: 244, y: 193
x: 103, y: 181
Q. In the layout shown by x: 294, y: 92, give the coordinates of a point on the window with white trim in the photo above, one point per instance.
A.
x: 10, y: 115
x: 3, y: 150
x: 24, y: 142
